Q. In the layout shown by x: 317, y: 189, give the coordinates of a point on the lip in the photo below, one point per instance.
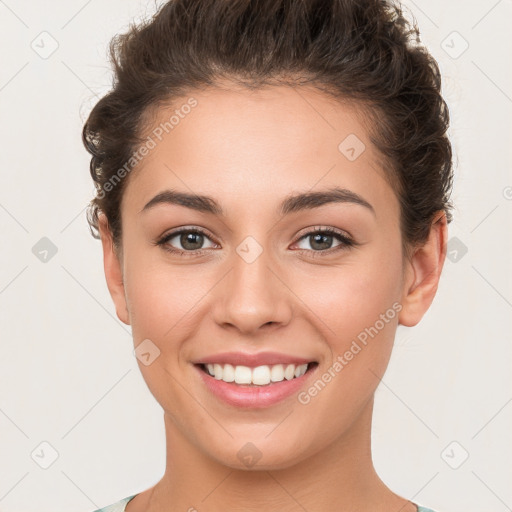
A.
x: 251, y: 396
x: 252, y: 360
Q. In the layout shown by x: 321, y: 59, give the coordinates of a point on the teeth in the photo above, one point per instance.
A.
x: 242, y: 375
x: 217, y: 371
x: 259, y: 376
x: 228, y: 373
x: 289, y: 372
x: 277, y: 373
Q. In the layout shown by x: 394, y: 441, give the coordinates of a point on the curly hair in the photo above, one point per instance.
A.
x: 363, y: 51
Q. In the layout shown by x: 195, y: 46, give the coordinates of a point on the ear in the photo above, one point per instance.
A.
x: 113, y: 270
x: 423, y: 273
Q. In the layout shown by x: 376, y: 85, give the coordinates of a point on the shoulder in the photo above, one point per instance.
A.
x: 118, y: 506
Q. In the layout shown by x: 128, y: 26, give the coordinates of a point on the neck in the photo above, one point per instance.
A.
x: 340, y: 477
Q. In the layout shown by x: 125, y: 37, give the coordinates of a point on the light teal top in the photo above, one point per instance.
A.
x: 120, y: 506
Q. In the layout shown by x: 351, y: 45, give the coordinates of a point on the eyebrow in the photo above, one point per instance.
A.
x: 291, y: 204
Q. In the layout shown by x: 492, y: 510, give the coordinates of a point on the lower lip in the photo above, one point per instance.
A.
x: 254, y: 396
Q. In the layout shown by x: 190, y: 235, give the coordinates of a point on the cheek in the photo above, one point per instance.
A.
x: 357, y: 305
x: 161, y: 297
x: 352, y: 297
x: 165, y: 307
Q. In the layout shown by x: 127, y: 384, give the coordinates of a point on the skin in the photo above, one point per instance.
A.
x: 250, y: 150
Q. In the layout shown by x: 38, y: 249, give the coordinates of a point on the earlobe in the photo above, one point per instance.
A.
x: 423, y: 273
x: 113, y: 270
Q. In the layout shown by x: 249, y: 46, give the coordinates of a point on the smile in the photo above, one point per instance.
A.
x: 255, y: 387
x: 260, y: 376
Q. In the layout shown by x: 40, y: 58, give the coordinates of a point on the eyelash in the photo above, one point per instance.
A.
x: 346, y: 242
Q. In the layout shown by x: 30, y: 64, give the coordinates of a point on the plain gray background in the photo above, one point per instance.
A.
x: 68, y: 376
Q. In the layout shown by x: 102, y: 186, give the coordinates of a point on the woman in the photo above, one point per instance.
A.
x: 273, y: 184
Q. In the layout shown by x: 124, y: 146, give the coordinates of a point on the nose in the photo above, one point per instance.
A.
x: 252, y: 296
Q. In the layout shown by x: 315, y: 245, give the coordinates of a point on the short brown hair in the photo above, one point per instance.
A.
x: 360, y: 50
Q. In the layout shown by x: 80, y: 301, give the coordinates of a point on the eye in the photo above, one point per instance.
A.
x: 191, y: 241
x: 321, y: 241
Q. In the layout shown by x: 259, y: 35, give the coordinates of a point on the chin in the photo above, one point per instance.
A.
x: 259, y: 453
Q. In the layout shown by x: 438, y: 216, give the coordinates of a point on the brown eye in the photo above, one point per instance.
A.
x: 185, y: 241
x: 321, y: 241
x: 191, y: 241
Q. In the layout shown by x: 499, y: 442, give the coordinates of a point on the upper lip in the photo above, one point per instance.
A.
x: 252, y: 360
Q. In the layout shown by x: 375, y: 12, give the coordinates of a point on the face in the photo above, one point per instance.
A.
x: 257, y: 276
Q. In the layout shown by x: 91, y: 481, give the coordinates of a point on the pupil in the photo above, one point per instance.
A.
x: 322, y: 239
x: 189, y: 239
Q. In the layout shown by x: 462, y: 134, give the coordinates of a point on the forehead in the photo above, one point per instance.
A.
x: 233, y: 120
x: 241, y: 145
